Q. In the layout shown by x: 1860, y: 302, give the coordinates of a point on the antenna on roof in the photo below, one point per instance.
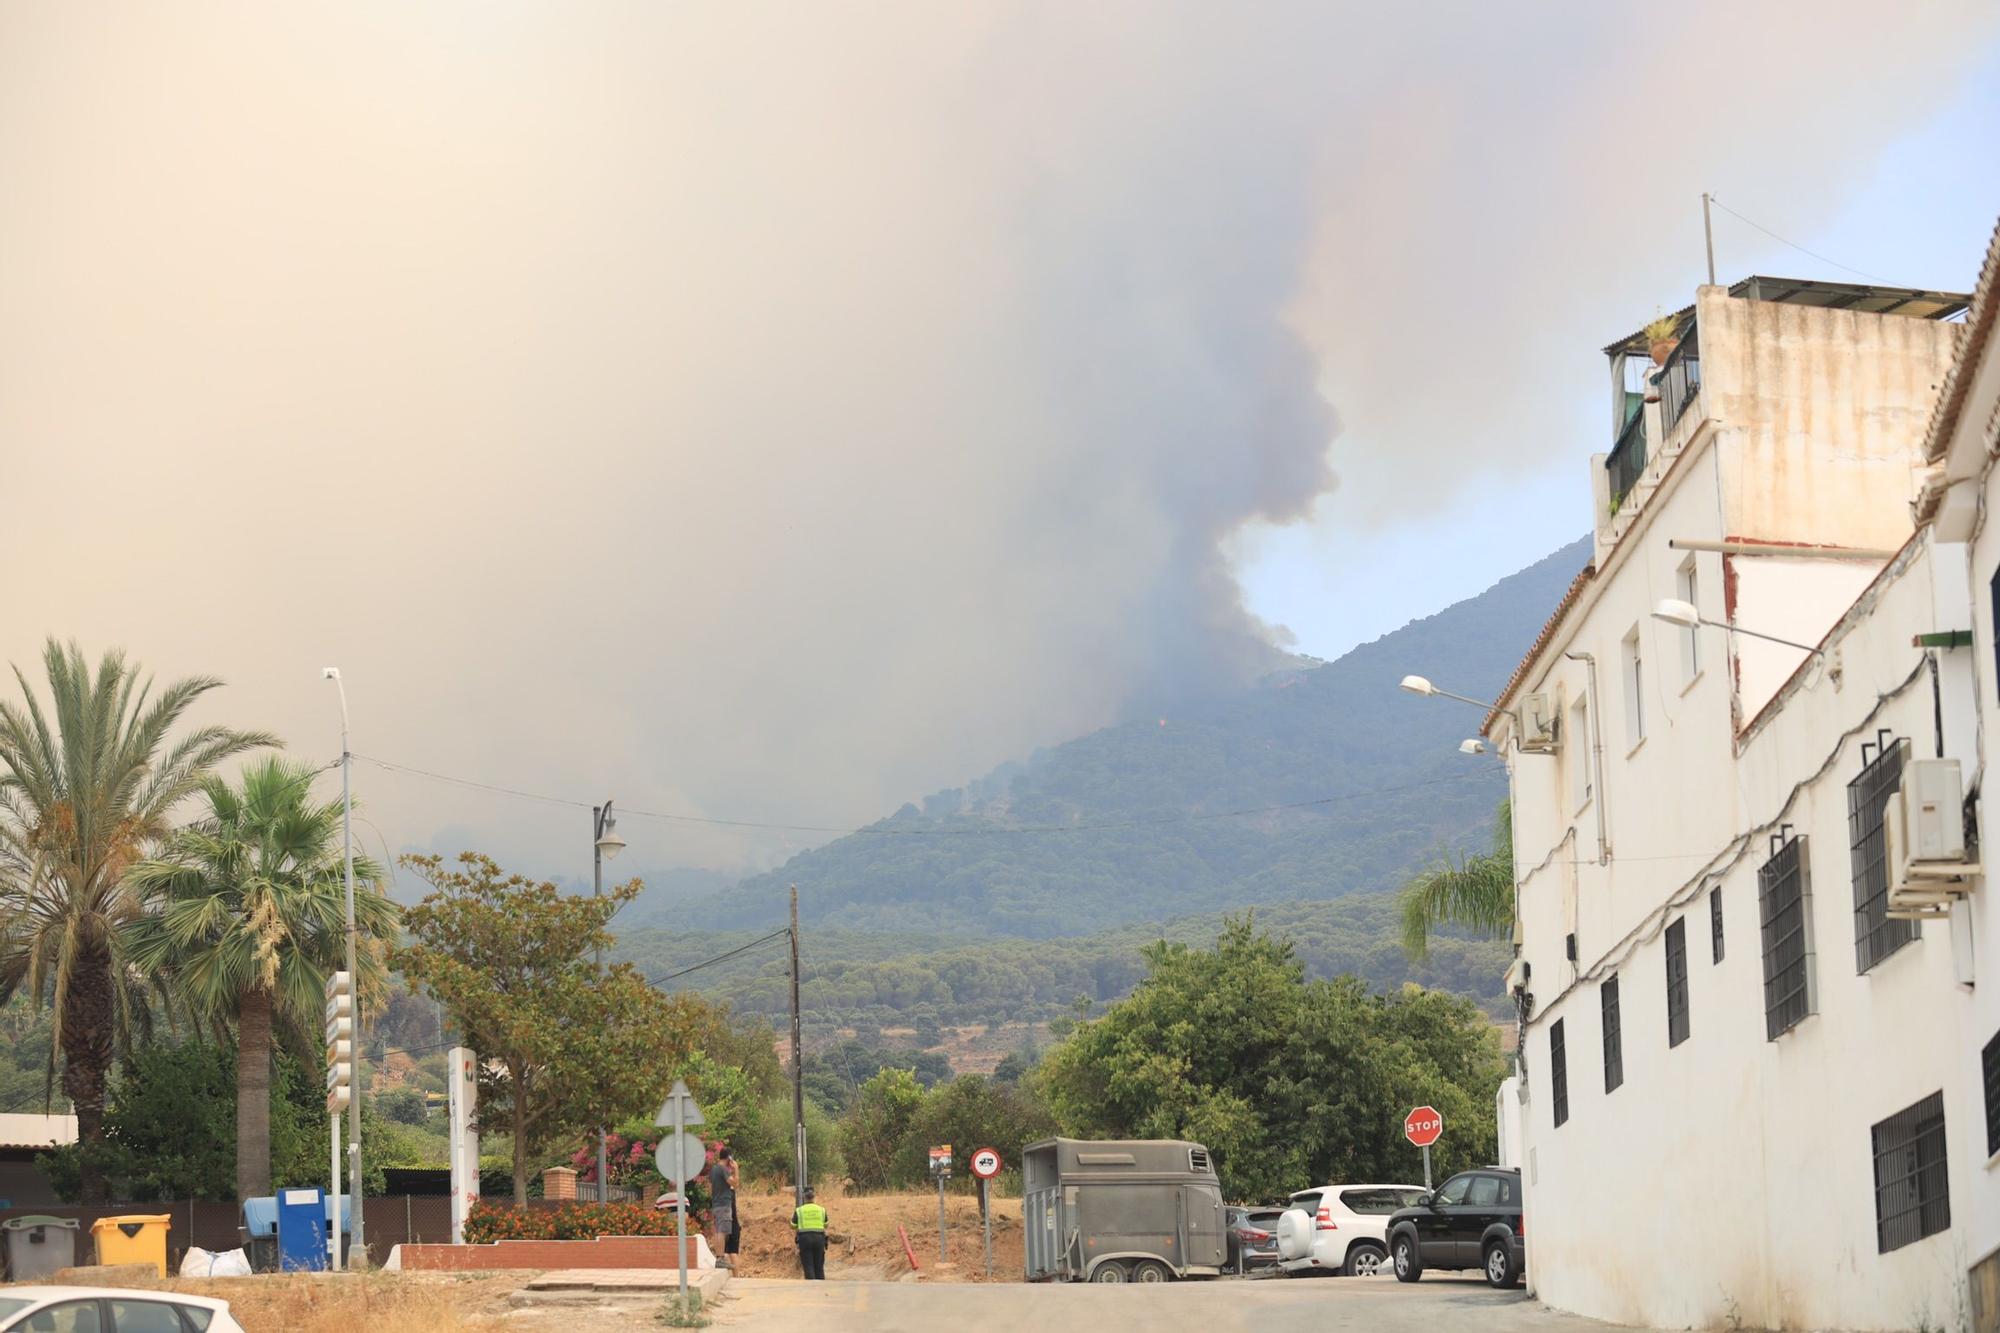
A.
x: 1708, y: 235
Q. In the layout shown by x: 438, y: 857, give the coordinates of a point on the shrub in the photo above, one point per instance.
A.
x: 488, y: 1222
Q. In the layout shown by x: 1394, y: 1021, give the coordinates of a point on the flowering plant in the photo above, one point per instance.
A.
x: 488, y: 1222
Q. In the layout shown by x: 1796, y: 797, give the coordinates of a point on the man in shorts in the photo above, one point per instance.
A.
x: 725, y: 1229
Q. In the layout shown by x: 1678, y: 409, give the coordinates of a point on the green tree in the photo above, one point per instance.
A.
x: 169, y: 1122
x: 247, y: 918
x: 1475, y: 893
x: 86, y: 786
x: 1288, y: 1082
x: 972, y: 1112
x: 877, y: 1125
x: 405, y: 1106
x: 510, y: 960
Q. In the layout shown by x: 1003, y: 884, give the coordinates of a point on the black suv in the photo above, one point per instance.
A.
x: 1473, y: 1220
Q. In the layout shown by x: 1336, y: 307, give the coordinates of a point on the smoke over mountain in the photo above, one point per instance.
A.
x: 777, y: 411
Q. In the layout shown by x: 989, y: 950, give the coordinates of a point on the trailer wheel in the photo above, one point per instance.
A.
x: 1151, y: 1270
x: 1108, y: 1271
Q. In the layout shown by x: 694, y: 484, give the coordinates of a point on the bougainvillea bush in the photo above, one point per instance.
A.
x: 489, y: 1222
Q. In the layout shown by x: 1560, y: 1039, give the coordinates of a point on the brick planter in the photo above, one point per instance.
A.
x: 604, y: 1252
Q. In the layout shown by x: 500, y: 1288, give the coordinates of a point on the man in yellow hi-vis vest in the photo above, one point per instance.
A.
x: 809, y: 1224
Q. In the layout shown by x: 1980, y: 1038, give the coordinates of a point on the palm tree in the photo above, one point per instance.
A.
x: 1476, y: 893
x: 246, y: 917
x: 86, y: 786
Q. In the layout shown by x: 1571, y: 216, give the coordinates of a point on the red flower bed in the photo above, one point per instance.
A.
x: 572, y: 1221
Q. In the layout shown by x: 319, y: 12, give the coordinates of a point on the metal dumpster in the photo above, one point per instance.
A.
x: 36, y: 1247
x: 1138, y: 1210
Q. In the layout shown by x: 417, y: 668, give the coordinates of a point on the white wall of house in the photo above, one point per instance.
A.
x: 1730, y: 1177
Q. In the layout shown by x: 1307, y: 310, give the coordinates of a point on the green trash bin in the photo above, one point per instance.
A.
x: 35, y: 1247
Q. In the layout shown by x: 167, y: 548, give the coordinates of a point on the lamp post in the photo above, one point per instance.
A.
x: 1676, y: 612
x: 1421, y: 685
x: 604, y: 829
x: 357, y: 1250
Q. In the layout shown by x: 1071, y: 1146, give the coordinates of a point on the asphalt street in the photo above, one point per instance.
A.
x: 1438, y: 1304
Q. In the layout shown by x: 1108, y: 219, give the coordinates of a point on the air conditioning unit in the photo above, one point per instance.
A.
x: 1538, y: 725
x: 1923, y: 830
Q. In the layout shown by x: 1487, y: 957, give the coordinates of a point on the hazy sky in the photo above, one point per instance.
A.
x: 777, y: 412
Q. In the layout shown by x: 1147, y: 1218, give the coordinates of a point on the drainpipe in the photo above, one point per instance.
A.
x: 1596, y: 755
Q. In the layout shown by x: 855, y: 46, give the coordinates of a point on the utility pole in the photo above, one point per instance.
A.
x: 1708, y: 235
x: 357, y: 1252
x: 604, y: 832
x: 798, y: 1070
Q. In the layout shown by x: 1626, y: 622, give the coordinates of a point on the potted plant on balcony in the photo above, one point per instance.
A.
x: 1660, y: 338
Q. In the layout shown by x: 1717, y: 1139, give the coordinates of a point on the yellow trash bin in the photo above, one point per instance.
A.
x: 133, y: 1238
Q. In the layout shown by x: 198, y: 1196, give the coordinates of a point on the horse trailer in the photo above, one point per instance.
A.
x: 1124, y: 1210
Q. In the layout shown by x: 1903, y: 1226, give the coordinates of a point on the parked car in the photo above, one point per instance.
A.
x: 110, y: 1310
x: 1253, y: 1237
x: 1340, y: 1228
x: 1473, y: 1220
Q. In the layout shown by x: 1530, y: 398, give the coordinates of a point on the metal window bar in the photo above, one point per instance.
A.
x: 1912, y: 1188
x: 1626, y: 462
x: 1989, y: 1064
x: 1679, y: 380
x: 1876, y: 933
x: 1783, y: 895
x: 1614, y: 1040
x: 1715, y: 924
x: 1677, y: 983
x: 1558, y: 1074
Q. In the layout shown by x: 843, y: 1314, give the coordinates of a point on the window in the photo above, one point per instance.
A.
x: 1996, y: 626
x: 1989, y: 1064
x: 1876, y: 935
x: 1558, y: 1073
x: 145, y: 1317
x: 1912, y: 1199
x: 1614, y: 1040
x: 1485, y: 1192
x: 1633, y: 671
x: 1677, y: 982
x: 1371, y: 1203
x: 1689, y: 591
x: 1577, y: 754
x: 1455, y: 1188
x: 69, y: 1317
x: 1784, y: 912
x: 1715, y: 923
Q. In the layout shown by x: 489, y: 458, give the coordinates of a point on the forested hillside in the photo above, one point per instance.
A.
x: 1354, y: 783
x: 861, y: 979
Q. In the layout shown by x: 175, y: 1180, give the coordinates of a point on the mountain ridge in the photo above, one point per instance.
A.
x: 1310, y: 784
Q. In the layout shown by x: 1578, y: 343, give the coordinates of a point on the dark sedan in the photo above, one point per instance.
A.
x: 1253, y: 1237
x: 1472, y: 1220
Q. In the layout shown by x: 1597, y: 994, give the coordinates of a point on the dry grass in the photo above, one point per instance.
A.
x: 377, y: 1302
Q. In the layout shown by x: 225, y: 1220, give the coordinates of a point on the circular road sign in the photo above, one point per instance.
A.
x: 1423, y: 1126
x: 986, y: 1163
x: 680, y: 1157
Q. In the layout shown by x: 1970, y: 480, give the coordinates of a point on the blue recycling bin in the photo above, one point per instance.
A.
x: 302, y: 1230
x: 260, y: 1233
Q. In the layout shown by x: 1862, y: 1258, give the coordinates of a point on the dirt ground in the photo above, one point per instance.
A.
x: 377, y: 1302
x: 863, y: 1244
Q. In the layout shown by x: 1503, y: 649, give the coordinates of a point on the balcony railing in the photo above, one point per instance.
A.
x: 1679, y: 381
x: 1627, y: 459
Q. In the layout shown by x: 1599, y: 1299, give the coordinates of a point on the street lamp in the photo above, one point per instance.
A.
x: 608, y: 844
x: 1674, y: 611
x: 1472, y: 747
x: 358, y: 1244
x: 1421, y: 685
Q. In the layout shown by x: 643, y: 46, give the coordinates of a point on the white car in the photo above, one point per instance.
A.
x: 1340, y: 1228
x: 110, y: 1310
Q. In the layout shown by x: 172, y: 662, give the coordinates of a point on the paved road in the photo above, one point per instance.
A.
x: 1438, y: 1304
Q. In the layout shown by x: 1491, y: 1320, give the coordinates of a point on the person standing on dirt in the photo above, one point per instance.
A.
x: 727, y: 1226
x: 809, y: 1227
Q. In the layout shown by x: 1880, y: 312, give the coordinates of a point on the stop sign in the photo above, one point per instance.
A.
x: 1423, y: 1126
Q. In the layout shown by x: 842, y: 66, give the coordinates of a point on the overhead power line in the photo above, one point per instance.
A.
x: 719, y: 958
x: 1183, y: 817
x: 1794, y: 244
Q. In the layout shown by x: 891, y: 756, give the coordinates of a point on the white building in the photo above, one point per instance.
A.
x: 1751, y: 1095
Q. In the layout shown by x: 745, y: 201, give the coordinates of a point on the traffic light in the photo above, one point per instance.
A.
x: 339, y: 1041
